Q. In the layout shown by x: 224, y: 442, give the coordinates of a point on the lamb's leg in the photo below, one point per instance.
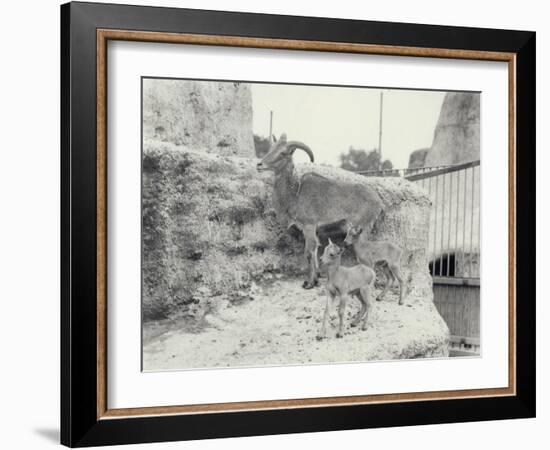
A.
x: 323, y: 332
x: 387, y: 284
x: 362, y: 311
x: 365, y: 293
x: 397, y: 273
x: 389, y: 274
x: 311, y: 245
x: 341, y: 315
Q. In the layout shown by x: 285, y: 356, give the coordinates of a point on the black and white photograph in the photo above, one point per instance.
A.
x: 295, y: 224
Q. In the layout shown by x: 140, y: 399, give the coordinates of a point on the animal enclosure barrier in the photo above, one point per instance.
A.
x: 454, y: 236
x: 454, y: 248
x: 453, y: 245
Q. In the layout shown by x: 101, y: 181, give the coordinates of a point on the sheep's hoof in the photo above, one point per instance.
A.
x: 319, y: 337
x: 353, y: 324
x: 308, y: 285
x: 364, y: 327
x: 339, y: 336
x: 378, y: 299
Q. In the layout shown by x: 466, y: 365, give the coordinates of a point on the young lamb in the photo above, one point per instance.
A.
x: 343, y: 282
x: 372, y: 253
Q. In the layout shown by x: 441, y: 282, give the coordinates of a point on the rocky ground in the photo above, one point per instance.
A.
x: 276, y: 323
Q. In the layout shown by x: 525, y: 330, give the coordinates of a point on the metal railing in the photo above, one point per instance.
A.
x: 400, y: 172
x: 454, y: 227
x: 454, y: 235
x: 453, y: 247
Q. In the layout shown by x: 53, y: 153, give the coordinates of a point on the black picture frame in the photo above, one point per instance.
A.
x: 80, y: 425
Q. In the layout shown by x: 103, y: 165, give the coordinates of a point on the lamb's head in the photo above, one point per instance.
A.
x: 332, y: 253
x: 280, y: 154
x: 353, y: 235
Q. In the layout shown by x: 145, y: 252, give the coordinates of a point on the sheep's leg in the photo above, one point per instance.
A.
x: 341, y: 314
x: 311, y: 245
x: 385, y: 273
x: 365, y: 293
x: 389, y: 274
x: 397, y: 273
x: 323, y: 333
x: 361, y: 312
x: 387, y: 284
x: 316, y: 262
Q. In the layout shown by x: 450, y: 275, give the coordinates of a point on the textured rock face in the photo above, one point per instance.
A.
x: 208, y: 229
x: 278, y: 325
x: 417, y: 158
x: 456, y: 137
x: 209, y: 223
x: 214, y: 117
x: 211, y: 242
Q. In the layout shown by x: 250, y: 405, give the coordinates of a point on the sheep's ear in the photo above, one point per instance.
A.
x: 282, y: 138
x: 330, y: 242
x: 359, y: 230
x: 274, y: 138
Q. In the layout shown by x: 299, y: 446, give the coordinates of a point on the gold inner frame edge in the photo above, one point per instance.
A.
x: 103, y: 36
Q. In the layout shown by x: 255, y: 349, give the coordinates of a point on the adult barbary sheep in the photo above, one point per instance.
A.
x: 312, y: 200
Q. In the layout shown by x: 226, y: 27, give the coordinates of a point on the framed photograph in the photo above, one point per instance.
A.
x: 276, y: 224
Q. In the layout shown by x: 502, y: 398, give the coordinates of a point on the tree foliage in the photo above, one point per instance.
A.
x: 261, y: 145
x: 358, y: 159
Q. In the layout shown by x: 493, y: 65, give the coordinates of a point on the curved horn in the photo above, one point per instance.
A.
x: 293, y: 145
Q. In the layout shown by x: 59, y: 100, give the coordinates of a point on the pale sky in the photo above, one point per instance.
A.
x: 330, y: 119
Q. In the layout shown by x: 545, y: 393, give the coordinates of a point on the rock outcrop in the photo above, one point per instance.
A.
x: 213, y: 117
x: 417, y: 159
x: 210, y: 237
x: 456, y: 136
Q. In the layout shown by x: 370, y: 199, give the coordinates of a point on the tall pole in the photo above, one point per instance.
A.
x: 270, y: 125
x: 380, y: 131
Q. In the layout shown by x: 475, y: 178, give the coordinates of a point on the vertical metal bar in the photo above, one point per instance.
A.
x: 479, y: 220
x: 472, y: 223
x: 380, y: 130
x: 429, y: 183
x: 435, y: 223
x: 442, y: 226
x: 463, y: 261
x: 456, y: 219
x: 449, y: 223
